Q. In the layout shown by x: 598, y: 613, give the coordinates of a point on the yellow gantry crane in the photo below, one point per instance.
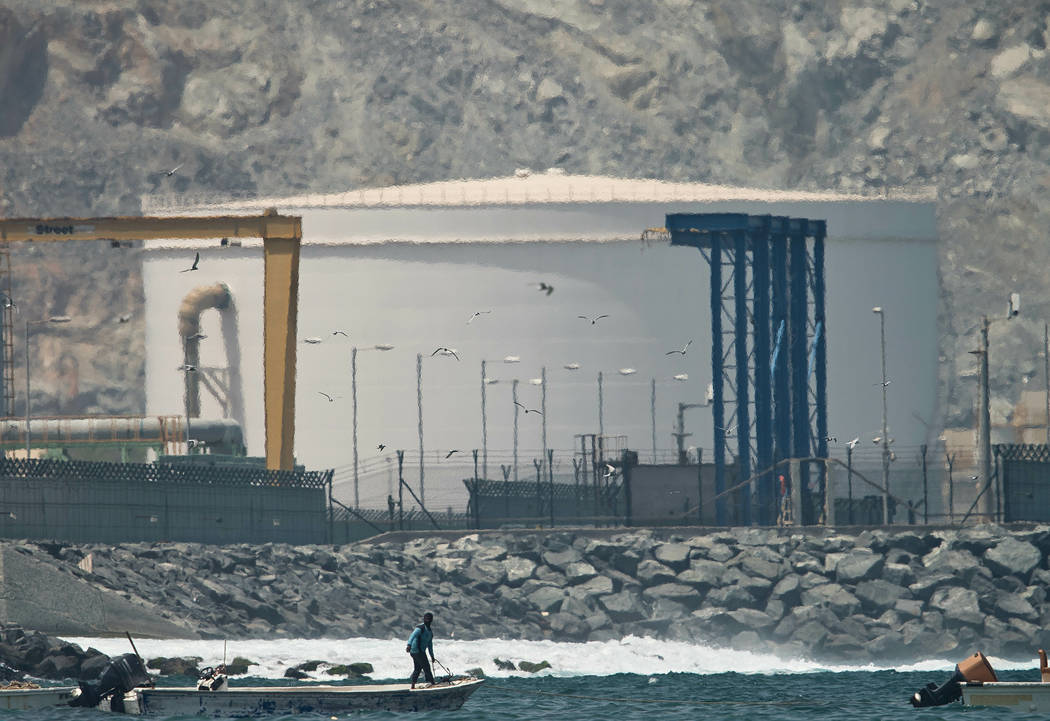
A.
x: 281, y: 236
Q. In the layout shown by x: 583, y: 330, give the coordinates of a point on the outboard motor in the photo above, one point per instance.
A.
x: 123, y: 674
x: 975, y: 668
x: 213, y: 679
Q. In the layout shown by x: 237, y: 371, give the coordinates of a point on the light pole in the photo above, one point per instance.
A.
x: 486, y: 381
x: 353, y: 393
x: 681, y: 377
x: 885, y: 435
x: 984, y: 439
x: 30, y: 324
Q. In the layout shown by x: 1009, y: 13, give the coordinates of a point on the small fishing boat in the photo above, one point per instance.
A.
x: 242, y: 701
x: 22, y: 698
x: 125, y: 688
x: 976, y: 684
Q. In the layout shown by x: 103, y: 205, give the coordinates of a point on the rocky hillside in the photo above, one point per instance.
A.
x: 269, y: 97
x: 877, y: 596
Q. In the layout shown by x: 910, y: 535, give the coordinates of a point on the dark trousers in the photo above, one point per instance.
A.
x: 421, y: 664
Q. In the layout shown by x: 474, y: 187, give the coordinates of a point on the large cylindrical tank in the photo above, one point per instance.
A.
x: 409, y: 267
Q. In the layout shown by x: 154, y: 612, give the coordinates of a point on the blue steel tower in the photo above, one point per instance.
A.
x: 768, y: 355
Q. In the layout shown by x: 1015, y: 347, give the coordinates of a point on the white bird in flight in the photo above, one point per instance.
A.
x: 340, y: 332
x: 545, y: 288
x: 330, y: 398
x: 476, y: 314
x: 171, y: 172
x: 853, y: 444
x: 681, y: 377
x: 187, y: 367
x: 572, y: 366
x: 312, y: 340
x: 684, y: 349
x: 595, y: 319
x: 446, y: 352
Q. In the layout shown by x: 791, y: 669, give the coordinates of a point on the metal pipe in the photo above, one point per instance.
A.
x: 885, y: 439
x: 28, y: 434
x: 985, y: 439
x: 514, y: 397
x: 353, y: 396
x: 484, y: 428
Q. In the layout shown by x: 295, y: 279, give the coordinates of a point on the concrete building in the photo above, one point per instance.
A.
x: 409, y: 267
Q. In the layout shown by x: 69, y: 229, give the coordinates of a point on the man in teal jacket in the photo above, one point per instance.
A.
x: 421, y: 641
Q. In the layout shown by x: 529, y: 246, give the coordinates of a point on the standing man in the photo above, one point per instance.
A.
x: 421, y: 641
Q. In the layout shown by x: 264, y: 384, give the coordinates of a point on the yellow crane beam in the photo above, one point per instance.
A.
x: 281, y: 236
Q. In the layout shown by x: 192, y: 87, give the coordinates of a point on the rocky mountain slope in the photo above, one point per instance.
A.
x: 269, y: 97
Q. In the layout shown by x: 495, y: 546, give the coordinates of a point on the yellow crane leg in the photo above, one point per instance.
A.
x: 280, y: 308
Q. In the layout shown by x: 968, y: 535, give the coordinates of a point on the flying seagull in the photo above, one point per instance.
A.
x: 853, y: 444
x: 380, y: 447
x: 449, y: 454
x: 196, y: 260
x: 476, y: 314
x: 196, y: 336
x: 124, y: 318
x: 340, y: 332
x: 528, y: 410
x: 445, y: 351
x: 681, y: 377
x: 831, y: 439
x: 172, y: 171
x: 187, y: 367
x: 609, y: 470
x: 312, y: 340
x: 595, y: 319
x: 545, y: 288
x: 883, y: 383
x: 572, y: 366
x: 330, y: 399
x: 684, y: 349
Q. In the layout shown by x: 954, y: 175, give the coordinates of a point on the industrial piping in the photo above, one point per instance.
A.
x: 196, y: 302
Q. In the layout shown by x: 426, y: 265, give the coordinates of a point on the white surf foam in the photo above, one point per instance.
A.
x: 388, y: 657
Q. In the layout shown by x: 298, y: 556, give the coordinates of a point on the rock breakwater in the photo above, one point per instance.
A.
x: 884, y: 596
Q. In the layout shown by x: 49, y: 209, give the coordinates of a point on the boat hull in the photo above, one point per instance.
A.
x: 244, y: 701
x: 1019, y: 695
x: 29, y: 698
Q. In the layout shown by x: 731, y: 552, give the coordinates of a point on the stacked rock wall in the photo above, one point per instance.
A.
x: 876, y: 596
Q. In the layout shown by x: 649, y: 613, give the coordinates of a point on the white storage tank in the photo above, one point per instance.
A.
x: 410, y: 266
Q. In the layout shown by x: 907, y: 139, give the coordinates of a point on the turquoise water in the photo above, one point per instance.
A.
x: 854, y: 695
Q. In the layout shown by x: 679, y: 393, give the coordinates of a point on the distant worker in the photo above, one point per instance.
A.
x: 421, y: 641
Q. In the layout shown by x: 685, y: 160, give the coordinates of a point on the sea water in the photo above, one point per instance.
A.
x: 628, y: 679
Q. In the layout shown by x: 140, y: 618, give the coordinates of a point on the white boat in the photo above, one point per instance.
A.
x: 241, y: 701
x: 1019, y: 695
x: 976, y: 684
x: 22, y: 699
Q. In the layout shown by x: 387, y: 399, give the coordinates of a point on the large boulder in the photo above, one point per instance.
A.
x: 518, y: 570
x: 702, y: 574
x: 833, y: 596
x: 623, y: 606
x: 959, y: 606
x: 546, y: 598
x: 651, y: 572
x: 878, y: 595
x: 1011, y: 557
x: 674, y: 555
x: 857, y: 566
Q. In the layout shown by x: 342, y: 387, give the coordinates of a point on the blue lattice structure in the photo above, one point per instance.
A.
x: 768, y: 353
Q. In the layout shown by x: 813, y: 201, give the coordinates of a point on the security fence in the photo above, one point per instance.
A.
x: 82, y: 501
x: 1025, y: 472
x: 499, y: 504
